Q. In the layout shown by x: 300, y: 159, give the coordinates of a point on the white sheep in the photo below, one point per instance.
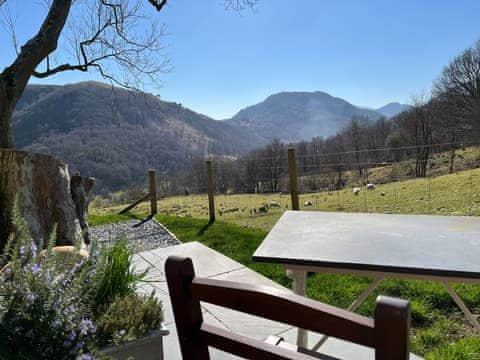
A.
x: 370, y: 186
x: 274, y: 204
x: 356, y: 190
x: 308, y: 203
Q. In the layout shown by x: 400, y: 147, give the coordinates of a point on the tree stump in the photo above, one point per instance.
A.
x: 41, y: 184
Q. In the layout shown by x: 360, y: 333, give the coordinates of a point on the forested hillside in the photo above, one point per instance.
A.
x: 116, y: 134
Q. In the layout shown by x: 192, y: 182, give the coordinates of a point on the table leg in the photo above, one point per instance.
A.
x: 299, y: 287
x: 470, y: 317
x: 354, y: 306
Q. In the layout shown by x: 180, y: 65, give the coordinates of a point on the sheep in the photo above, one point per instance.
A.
x: 370, y: 186
x: 274, y: 204
x: 308, y: 203
x: 263, y: 209
x: 356, y: 190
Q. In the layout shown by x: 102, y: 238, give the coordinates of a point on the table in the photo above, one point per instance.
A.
x: 436, y: 248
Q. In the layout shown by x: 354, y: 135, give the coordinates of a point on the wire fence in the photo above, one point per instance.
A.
x: 396, y: 180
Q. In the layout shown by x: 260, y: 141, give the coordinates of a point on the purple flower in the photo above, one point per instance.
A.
x: 122, y: 332
x: 23, y: 249
x: 34, y: 249
x: 72, y: 336
x: 30, y: 298
x: 35, y: 268
x: 87, y: 326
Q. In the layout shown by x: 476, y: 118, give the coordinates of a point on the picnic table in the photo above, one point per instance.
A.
x: 445, y: 249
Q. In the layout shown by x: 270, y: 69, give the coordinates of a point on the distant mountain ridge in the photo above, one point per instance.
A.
x: 116, y: 134
x: 393, y: 108
x: 296, y: 116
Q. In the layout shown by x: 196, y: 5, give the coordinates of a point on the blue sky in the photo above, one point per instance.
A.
x: 369, y: 52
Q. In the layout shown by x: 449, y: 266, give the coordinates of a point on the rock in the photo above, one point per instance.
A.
x: 41, y: 185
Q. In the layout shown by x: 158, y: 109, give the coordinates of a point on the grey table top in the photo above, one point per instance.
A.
x: 416, y: 244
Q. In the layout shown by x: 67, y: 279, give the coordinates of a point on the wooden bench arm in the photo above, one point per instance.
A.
x: 281, y: 306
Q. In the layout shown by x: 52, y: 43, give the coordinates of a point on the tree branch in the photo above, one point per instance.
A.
x: 158, y: 5
x: 39, y: 47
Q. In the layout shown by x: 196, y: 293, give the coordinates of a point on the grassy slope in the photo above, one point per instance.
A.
x: 456, y: 194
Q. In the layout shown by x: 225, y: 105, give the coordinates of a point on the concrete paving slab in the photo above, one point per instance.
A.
x: 172, y: 348
x: 245, y: 324
x: 336, y: 347
x: 140, y: 264
x: 207, y: 262
x: 245, y: 275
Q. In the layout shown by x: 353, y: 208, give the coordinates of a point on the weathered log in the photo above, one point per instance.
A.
x: 41, y: 185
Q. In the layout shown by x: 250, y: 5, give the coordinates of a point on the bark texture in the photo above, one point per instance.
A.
x: 41, y: 185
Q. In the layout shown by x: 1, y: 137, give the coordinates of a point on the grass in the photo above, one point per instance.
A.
x: 439, y: 328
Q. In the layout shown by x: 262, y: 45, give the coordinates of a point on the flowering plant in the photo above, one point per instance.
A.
x: 43, y: 310
x: 51, y: 303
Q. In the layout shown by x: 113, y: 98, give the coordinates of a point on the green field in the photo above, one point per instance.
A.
x: 439, y: 329
x: 455, y: 194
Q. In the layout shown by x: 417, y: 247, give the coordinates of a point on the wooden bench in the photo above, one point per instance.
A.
x: 388, y: 333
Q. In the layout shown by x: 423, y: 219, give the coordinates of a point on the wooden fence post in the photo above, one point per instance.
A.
x: 211, y: 199
x: 292, y: 172
x: 153, y: 192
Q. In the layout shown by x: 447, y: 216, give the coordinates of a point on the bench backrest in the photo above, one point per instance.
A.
x: 387, y: 333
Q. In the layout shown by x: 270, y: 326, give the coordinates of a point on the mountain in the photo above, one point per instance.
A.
x: 115, y: 134
x: 393, y: 109
x: 295, y: 116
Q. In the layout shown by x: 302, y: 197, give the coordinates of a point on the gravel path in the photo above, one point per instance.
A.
x: 141, y: 235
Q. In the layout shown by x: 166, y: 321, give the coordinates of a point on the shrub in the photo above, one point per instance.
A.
x: 129, y: 317
x: 43, y: 314
x: 115, y: 274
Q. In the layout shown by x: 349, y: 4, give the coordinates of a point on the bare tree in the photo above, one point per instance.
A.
x: 117, y: 38
x: 417, y: 130
x: 458, y: 87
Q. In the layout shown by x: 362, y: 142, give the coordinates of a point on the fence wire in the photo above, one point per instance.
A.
x: 254, y: 193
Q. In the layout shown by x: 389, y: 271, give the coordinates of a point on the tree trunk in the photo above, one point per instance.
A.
x: 41, y: 186
x: 7, y: 104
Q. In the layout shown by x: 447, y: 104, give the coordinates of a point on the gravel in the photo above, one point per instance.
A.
x: 141, y: 235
